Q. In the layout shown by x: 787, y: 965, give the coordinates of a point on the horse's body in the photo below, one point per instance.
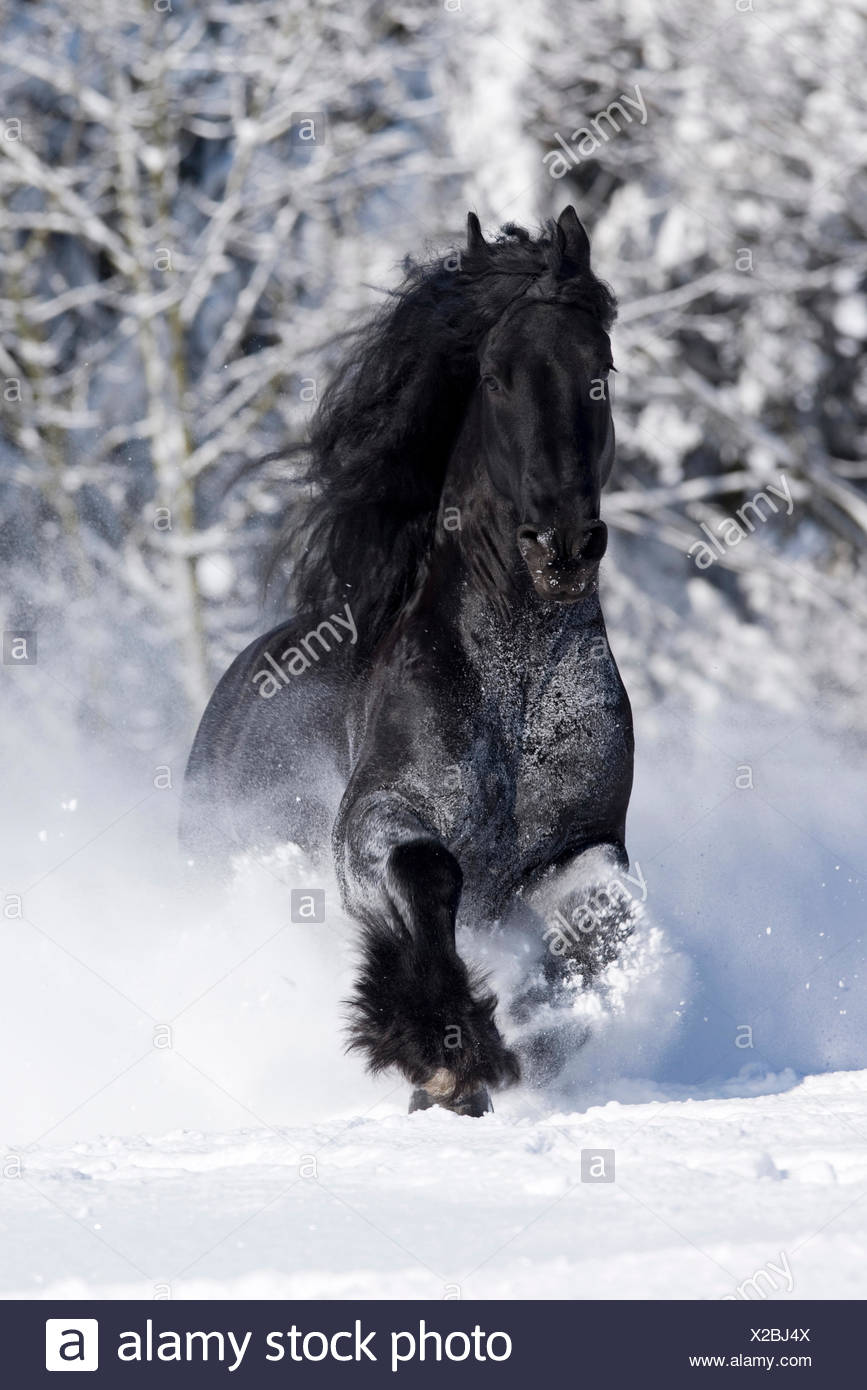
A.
x: 455, y: 727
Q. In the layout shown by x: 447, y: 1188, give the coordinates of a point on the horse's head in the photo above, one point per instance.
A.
x: 547, y: 436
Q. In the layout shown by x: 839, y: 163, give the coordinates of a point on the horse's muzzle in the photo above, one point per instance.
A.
x: 563, y: 565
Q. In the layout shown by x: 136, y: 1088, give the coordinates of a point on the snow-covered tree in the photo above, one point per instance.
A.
x: 199, y: 199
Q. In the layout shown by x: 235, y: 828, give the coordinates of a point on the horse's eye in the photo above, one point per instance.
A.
x: 490, y: 383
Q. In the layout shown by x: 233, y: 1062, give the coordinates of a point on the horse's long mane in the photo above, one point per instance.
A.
x: 384, y: 430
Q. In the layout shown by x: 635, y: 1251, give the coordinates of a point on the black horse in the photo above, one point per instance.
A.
x: 444, y: 708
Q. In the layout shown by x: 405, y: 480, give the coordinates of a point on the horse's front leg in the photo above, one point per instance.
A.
x: 415, y: 1006
x: 582, y: 910
x: 588, y: 905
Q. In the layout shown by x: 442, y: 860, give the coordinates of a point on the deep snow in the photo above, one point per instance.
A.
x: 727, y: 1160
x: 706, y: 1194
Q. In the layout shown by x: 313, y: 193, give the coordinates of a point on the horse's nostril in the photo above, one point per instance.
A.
x: 592, y: 543
x: 535, y: 545
x: 567, y: 545
x: 546, y: 538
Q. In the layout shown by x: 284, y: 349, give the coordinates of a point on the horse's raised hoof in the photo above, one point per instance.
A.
x: 474, y: 1103
x: 544, y: 1054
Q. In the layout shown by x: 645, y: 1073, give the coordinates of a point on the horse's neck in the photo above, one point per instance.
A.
x: 476, y: 526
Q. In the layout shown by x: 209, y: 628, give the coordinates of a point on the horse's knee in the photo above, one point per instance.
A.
x: 424, y: 873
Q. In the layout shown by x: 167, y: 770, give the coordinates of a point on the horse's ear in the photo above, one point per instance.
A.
x: 475, y: 239
x: 571, y: 245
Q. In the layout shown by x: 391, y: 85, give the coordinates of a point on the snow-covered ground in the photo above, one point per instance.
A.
x: 706, y: 1193
x: 134, y: 1006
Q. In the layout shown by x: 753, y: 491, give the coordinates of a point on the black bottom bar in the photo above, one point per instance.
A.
x: 500, y: 1344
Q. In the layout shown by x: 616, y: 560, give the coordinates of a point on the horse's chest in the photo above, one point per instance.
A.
x: 550, y: 758
x: 574, y: 740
